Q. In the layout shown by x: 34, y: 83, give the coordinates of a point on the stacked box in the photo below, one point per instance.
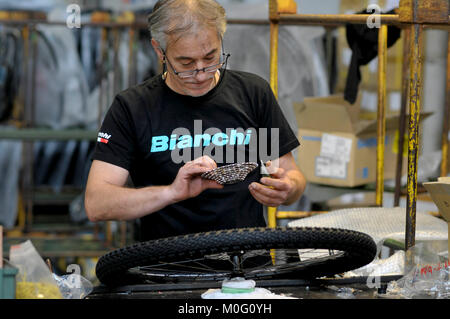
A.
x: 338, y: 147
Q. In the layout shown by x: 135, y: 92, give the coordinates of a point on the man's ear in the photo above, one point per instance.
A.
x: 157, y: 49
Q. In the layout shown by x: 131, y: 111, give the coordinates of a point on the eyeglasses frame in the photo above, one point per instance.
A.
x: 193, y: 73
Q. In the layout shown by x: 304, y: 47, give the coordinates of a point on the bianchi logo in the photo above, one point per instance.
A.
x: 103, y: 137
x: 163, y: 143
x: 235, y: 144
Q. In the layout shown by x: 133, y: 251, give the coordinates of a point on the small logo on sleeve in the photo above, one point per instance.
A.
x: 103, y: 137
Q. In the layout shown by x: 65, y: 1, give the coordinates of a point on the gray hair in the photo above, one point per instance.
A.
x: 178, y: 16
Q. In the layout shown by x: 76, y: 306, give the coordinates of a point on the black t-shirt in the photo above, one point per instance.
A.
x: 151, y: 131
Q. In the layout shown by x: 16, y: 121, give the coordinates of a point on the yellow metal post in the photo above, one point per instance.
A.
x: 275, y: 8
x: 445, y: 128
x: 402, y: 119
x: 273, y: 15
x: 274, y: 57
x: 381, y: 114
x: 417, y: 14
x: 415, y: 90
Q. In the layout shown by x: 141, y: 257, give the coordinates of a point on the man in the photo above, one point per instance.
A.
x: 137, y: 136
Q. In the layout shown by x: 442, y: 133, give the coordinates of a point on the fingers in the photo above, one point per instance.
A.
x: 267, y: 196
x: 276, y: 183
x: 192, y: 169
x: 207, y: 183
x: 273, y: 191
x: 277, y: 172
x: 188, y: 183
x: 272, y: 166
x: 264, y: 199
x: 198, y: 166
x: 205, y: 161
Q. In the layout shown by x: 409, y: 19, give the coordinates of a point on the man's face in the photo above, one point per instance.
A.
x: 193, y: 50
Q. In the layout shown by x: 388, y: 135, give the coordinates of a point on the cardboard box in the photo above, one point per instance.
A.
x: 440, y: 193
x: 338, y: 148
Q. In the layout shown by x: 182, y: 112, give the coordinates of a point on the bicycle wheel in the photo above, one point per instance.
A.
x: 252, y: 253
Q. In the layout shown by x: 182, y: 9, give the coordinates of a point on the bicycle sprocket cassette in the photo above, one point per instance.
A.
x: 230, y: 174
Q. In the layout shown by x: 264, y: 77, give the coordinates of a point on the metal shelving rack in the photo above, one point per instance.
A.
x: 413, y: 17
x: 26, y: 132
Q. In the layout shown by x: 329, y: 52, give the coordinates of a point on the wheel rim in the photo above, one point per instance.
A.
x: 179, y: 258
x: 250, y: 264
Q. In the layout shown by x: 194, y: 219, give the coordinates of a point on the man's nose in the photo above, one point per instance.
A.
x: 201, y: 75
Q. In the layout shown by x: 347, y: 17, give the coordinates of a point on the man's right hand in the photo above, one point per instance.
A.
x: 188, y: 183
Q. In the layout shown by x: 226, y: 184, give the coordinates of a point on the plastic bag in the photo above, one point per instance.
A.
x: 73, y: 286
x: 34, y: 280
x: 394, y: 265
x: 427, y: 274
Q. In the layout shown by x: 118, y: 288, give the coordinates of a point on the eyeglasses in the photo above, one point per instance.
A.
x: 208, y: 69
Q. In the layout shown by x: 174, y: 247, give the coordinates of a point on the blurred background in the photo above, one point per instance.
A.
x: 57, y: 82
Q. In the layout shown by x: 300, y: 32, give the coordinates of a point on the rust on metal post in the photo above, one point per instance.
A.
x: 415, y: 91
x: 381, y: 114
x: 424, y: 11
x: 402, y: 118
x: 417, y: 14
x: 445, y: 128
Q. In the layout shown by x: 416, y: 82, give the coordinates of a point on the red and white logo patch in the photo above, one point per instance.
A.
x: 103, y: 137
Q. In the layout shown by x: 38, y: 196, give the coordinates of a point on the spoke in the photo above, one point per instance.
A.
x: 188, y: 264
x: 268, y: 263
x: 181, y: 264
x: 204, y: 266
x: 287, y: 260
x: 305, y: 251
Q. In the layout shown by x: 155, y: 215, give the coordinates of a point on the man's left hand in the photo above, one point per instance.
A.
x: 273, y: 191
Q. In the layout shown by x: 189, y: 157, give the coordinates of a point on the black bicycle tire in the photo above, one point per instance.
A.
x: 359, y: 249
